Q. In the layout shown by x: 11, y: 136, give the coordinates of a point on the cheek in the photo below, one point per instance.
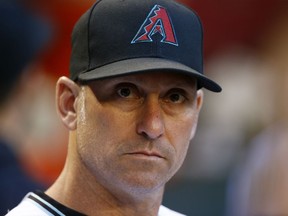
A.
x: 103, y: 128
x: 180, y: 133
x: 91, y: 130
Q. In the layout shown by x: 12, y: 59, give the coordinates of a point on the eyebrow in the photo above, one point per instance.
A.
x: 189, y: 82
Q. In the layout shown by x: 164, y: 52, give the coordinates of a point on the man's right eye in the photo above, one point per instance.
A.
x: 127, y: 91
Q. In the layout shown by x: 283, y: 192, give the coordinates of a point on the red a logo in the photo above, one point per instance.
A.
x: 157, y: 21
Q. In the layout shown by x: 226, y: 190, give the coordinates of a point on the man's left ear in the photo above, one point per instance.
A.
x: 198, y: 106
x: 200, y: 96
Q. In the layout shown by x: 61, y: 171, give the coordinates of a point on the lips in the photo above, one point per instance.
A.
x: 146, y: 153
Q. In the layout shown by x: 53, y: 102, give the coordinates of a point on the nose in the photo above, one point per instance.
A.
x: 150, y: 123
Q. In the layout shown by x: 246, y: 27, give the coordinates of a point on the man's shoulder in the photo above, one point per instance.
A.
x: 30, y: 208
x: 27, y: 208
x: 164, y: 211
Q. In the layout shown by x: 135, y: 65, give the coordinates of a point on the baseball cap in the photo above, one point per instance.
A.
x: 120, y: 37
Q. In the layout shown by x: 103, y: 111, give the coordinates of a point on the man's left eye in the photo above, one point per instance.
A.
x: 124, y: 92
x: 176, y: 97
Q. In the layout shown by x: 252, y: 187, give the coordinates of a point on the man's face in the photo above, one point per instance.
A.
x: 133, y: 131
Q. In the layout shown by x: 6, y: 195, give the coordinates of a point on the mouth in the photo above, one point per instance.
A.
x: 147, y: 154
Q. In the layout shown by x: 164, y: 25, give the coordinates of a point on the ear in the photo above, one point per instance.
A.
x: 199, y: 100
x: 198, y: 106
x: 67, y: 92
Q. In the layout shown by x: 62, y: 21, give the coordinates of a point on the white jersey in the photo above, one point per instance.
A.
x: 40, y: 204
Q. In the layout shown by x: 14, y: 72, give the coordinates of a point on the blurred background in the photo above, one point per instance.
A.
x: 236, y: 165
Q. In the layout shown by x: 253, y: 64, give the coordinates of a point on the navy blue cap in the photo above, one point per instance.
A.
x: 120, y: 37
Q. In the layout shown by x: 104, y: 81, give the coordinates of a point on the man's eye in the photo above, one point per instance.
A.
x: 176, y: 98
x: 124, y: 92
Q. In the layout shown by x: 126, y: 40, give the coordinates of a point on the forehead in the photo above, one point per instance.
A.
x: 153, y: 79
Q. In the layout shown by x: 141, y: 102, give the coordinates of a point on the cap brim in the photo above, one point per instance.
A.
x: 138, y: 65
